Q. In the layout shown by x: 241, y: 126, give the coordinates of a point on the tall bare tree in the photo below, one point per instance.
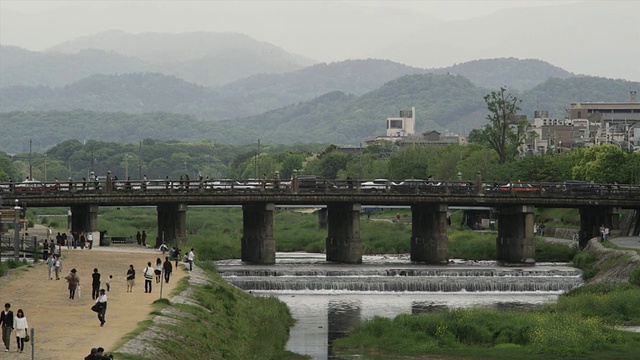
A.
x: 505, y: 132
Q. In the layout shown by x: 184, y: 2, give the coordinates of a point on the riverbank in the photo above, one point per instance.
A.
x: 66, y: 328
x: 203, y: 318
x: 585, y: 323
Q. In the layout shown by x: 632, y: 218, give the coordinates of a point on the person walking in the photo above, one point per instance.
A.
x: 74, y: 282
x: 22, y: 328
x: 51, y: 262
x: 52, y: 246
x: 57, y: 267
x: 167, y: 268
x: 177, y: 255
x: 83, y: 241
x: 157, y: 270
x: 139, y: 238
x: 6, y: 322
x: 108, y: 282
x: 101, y: 306
x: 190, y: 257
x: 90, y: 240
x: 131, y: 278
x: 144, y: 238
x: 73, y: 240
x: 95, y: 284
x: 148, y: 277
x: 45, y: 250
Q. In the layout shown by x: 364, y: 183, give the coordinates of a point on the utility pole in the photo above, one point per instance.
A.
x: 258, y: 160
x: 16, y: 232
x: 30, y: 167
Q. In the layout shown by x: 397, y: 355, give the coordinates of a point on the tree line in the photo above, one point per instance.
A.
x: 158, y: 159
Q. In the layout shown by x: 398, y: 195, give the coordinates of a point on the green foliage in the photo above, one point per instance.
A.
x: 505, y: 133
x: 634, y: 277
x: 228, y: 324
x: 585, y: 261
x: 494, y: 334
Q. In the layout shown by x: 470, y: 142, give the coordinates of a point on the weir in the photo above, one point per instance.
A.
x: 402, y: 276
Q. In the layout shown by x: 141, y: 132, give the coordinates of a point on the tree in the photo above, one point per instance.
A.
x: 505, y: 132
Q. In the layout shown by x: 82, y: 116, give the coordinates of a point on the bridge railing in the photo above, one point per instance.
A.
x: 311, y: 185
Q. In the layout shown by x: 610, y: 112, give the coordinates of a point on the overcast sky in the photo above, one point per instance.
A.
x: 418, y: 33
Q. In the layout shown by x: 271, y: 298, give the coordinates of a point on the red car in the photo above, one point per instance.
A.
x: 520, y: 187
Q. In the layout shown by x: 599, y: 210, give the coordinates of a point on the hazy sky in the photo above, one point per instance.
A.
x: 418, y: 33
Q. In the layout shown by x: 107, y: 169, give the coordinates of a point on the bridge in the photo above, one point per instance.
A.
x: 599, y: 204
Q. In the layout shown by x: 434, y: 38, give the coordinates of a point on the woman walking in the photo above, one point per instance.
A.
x: 131, y: 278
x: 22, y: 328
x: 157, y: 270
x: 74, y: 282
x: 101, y: 306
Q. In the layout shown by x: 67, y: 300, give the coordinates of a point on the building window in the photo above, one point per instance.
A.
x: 395, y: 124
x: 579, y: 114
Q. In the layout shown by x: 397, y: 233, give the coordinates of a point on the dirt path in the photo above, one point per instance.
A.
x: 68, y: 329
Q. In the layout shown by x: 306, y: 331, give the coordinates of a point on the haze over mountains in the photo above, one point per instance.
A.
x: 246, y: 89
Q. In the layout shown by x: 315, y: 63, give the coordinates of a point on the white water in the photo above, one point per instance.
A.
x: 327, y: 299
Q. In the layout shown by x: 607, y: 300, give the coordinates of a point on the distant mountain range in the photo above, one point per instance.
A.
x: 443, y: 103
x: 233, y: 89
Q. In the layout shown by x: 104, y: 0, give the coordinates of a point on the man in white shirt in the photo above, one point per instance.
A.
x: 190, y: 257
x: 90, y: 240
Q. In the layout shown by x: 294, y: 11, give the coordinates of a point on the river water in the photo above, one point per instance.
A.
x: 328, y: 299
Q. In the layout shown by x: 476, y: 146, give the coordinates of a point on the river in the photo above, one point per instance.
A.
x: 328, y: 299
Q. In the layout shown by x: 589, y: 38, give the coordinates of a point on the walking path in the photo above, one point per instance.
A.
x: 68, y: 329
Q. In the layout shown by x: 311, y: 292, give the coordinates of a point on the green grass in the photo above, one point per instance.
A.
x: 574, y: 328
x: 229, y: 324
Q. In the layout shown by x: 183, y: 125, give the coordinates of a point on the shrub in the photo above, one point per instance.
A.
x: 634, y: 277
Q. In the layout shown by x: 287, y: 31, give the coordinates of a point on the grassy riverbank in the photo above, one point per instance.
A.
x: 580, y: 325
x: 217, y: 321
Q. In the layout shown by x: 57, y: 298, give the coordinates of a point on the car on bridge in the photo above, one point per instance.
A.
x: 34, y: 186
x: 375, y: 185
x: 228, y: 184
x: 520, y: 188
x: 579, y: 187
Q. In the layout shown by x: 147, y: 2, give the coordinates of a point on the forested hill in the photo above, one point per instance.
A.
x: 30, y: 68
x: 514, y: 73
x: 442, y: 102
x: 152, y: 92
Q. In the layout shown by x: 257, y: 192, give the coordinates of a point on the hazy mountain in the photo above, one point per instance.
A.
x: 511, y: 72
x: 443, y: 103
x: 556, y: 95
x: 132, y: 93
x: 22, y: 67
x: 253, y: 95
x: 582, y: 37
x: 209, y: 59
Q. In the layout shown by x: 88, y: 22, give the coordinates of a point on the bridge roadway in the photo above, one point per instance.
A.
x: 600, y: 205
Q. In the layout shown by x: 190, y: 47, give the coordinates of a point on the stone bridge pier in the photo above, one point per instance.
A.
x: 343, y: 241
x: 429, y: 241
x: 258, y: 245
x: 172, y: 224
x: 516, y: 241
x: 84, y: 218
x: 592, y: 217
